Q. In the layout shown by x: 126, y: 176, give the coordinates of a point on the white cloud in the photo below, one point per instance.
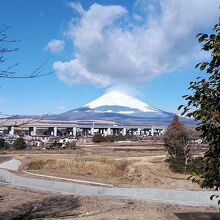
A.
x: 114, y: 47
x: 76, y: 6
x: 55, y: 46
x: 73, y: 72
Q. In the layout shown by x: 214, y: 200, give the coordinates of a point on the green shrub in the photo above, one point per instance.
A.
x: 3, y: 144
x: 110, y: 138
x: 98, y: 138
x: 19, y: 144
x: 121, y: 137
x: 196, y: 166
x: 177, y: 165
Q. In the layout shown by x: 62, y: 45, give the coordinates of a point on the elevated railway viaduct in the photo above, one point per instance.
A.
x: 56, y: 129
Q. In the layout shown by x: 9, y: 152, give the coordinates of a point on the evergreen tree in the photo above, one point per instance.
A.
x: 204, y: 105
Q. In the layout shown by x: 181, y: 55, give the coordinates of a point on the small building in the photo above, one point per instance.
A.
x: 66, y: 140
x: 41, y: 139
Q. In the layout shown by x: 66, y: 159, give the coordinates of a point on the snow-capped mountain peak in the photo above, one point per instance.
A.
x: 118, y: 98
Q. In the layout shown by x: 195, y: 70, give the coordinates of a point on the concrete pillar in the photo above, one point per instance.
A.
x: 124, y: 132
x: 92, y: 130
x: 34, y: 131
x: 85, y: 132
x: 139, y: 132
x: 109, y: 131
x: 12, y: 131
x: 55, y: 131
x: 105, y: 132
x: 152, y: 131
x: 74, y: 131
x: 101, y: 131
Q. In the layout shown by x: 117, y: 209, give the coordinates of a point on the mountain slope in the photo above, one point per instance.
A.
x: 117, y: 98
x: 119, y: 108
x: 120, y: 103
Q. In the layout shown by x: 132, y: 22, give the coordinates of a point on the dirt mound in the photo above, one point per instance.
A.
x: 103, y: 167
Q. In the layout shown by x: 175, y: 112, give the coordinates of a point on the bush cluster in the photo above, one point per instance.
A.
x: 3, y: 144
x: 98, y: 138
x: 19, y: 144
x: 194, y: 167
x: 177, y: 165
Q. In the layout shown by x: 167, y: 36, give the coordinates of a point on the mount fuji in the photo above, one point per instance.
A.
x: 120, y: 103
x: 114, y: 107
x: 118, y: 107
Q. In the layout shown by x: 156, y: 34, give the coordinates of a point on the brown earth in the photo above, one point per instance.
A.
x: 132, y: 169
x: 18, y: 203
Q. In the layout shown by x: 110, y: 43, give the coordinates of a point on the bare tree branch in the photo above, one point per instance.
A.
x: 8, y: 71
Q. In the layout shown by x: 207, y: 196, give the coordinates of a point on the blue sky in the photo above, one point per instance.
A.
x: 146, y: 48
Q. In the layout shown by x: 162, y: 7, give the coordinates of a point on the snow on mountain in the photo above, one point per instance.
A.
x: 118, y: 98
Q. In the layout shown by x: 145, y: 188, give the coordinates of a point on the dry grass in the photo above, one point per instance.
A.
x: 85, y: 166
x: 121, y: 168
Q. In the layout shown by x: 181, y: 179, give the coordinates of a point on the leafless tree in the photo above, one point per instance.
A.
x: 7, y: 71
x: 177, y: 141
